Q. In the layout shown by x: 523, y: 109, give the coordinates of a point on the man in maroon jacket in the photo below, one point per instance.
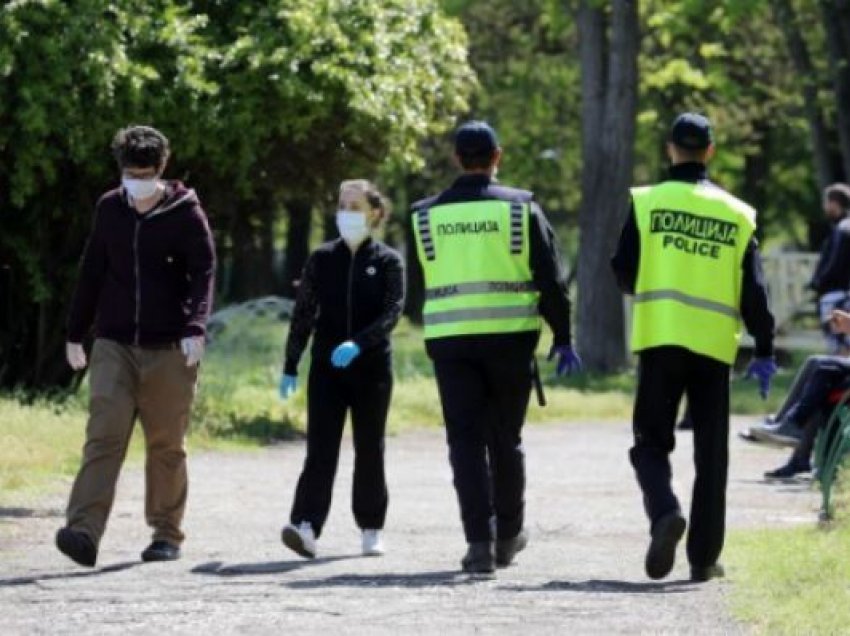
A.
x: 145, y: 284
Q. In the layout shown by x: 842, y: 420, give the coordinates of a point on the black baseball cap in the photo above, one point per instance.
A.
x: 691, y: 131
x: 476, y: 139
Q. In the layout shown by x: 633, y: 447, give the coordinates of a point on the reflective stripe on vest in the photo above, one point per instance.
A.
x: 482, y: 313
x: 693, y: 237
x: 693, y: 301
x: 484, y: 287
x: 476, y: 259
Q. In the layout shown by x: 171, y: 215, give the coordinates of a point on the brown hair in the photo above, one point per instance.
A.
x: 377, y: 201
x: 840, y: 193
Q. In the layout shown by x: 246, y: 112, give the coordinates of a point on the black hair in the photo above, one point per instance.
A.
x: 691, y: 155
x: 140, y: 147
x: 477, y: 161
x: 840, y: 193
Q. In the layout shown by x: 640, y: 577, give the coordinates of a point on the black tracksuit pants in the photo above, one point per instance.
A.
x: 484, y: 392
x: 364, y: 390
x: 666, y: 374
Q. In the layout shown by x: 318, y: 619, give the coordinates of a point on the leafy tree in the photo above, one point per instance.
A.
x: 267, y: 104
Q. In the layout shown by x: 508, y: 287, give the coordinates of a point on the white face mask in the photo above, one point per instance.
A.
x: 352, y: 226
x: 140, y: 189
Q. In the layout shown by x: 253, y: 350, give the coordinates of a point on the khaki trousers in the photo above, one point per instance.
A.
x: 156, y: 385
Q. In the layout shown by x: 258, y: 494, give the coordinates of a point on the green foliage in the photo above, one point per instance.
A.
x: 262, y: 101
x: 729, y: 60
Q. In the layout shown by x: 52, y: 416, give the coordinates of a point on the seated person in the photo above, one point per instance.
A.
x: 798, y: 424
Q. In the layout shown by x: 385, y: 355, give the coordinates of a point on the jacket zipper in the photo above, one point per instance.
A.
x: 350, y: 292
x: 138, y: 282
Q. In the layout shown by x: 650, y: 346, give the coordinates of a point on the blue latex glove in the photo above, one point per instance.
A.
x: 288, y: 386
x: 762, y: 369
x: 568, y: 360
x: 344, y: 354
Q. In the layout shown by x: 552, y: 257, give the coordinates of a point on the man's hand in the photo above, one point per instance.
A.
x: 568, y: 360
x: 840, y: 321
x: 193, y: 349
x: 344, y: 354
x: 76, y: 356
x: 762, y: 369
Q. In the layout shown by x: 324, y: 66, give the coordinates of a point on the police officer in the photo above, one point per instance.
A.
x: 349, y: 300
x: 688, y: 256
x: 491, y: 269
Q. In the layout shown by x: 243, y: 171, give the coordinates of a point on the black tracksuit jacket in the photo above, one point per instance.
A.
x: 343, y: 298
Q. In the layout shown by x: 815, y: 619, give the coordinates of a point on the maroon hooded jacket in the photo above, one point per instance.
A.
x: 145, y: 279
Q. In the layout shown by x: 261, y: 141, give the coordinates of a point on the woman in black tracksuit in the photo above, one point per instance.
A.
x: 350, y: 298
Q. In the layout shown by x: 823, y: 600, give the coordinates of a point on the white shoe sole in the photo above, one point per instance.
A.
x: 292, y: 540
x: 774, y: 438
x: 375, y: 552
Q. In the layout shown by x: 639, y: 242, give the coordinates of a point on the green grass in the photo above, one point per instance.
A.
x: 238, y: 404
x: 792, y: 581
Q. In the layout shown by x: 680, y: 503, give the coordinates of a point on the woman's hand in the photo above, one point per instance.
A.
x: 344, y: 354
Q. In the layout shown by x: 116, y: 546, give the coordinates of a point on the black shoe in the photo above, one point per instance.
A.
x: 161, y: 551
x: 704, y: 574
x: 666, y: 533
x: 479, y: 558
x: 77, y: 546
x: 792, y: 468
x: 507, y: 549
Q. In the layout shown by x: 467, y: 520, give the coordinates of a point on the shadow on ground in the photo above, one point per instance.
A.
x: 217, y: 568
x: 30, y: 513
x: 597, y: 586
x: 39, y: 578
x: 447, y: 578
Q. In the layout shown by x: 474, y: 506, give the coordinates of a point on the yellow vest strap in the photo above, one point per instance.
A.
x: 517, y: 212
x: 424, y: 217
x: 478, y: 313
x: 481, y: 287
x: 685, y: 299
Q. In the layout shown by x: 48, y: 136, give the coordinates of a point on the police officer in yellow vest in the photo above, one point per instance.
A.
x: 688, y: 256
x: 491, y: 270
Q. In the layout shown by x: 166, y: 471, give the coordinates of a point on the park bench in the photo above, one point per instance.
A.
x: 831, y: 446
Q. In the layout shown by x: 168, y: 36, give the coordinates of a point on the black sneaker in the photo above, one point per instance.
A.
x: 705, y: 574
x: 790, y: 469
x: 161, y: 551
x: 661, y: 555
x: 507, y: 549
x: 479, y: 558
x: 77, y: 546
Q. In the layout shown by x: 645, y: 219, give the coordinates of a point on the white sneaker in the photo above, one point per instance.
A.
x: 373, y: 544
x: 300, y: 539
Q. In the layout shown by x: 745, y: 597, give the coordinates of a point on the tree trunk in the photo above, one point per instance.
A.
x: 609, y: 107
x: 798, y: 50
x: 839, y: 63
x: 297, y: 243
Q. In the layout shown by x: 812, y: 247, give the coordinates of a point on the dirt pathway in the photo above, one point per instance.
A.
x: 582, y: 572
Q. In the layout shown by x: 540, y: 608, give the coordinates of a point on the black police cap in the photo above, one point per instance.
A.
x: 692, y: 131
x: 475, y: 138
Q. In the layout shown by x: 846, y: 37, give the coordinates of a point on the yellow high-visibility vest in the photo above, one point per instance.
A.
x: 693, y: 237
x: 476, y: 260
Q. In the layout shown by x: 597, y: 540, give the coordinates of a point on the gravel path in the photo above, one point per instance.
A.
x: 582, y: 572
